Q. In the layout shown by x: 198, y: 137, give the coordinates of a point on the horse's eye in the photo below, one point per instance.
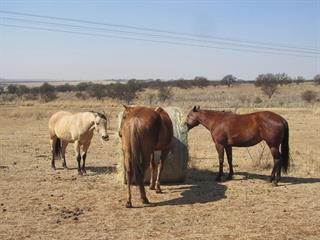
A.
x: 98, y: 123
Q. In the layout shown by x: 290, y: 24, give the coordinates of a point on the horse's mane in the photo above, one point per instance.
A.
x: 101, y: 115
x: 222, y: 111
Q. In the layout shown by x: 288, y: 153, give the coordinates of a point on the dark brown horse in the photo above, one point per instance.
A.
x: 144, y: 130
x: 229, y: 129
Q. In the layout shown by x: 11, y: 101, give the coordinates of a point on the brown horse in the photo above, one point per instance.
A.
x: 144, y: 130
x: 229, y: 129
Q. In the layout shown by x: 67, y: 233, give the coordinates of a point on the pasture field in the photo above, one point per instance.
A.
x: 39, y: 203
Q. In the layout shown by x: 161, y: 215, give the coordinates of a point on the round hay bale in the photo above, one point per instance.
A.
x: 176, y: 164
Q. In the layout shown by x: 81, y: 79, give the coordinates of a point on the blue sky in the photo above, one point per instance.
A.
x: 34, y: 54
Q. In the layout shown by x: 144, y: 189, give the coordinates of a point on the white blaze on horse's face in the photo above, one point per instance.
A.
x: 101, y: 127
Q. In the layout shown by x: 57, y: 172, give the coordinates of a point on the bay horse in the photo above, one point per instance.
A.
x: 244, y: 130
x: 144, y: 130
x: 77, y: 128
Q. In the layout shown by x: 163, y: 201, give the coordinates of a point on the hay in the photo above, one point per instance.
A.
x: 176, y: 164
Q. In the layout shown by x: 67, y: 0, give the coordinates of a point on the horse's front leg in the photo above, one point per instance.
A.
x: 220, y: 150
x: 163, y: 157
x: 84, y: 156
x: 228, y: 149
x: 77, y: 151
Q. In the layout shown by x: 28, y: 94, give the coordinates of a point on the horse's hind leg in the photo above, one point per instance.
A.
x: 129, y: 179
x: 220, y: 150
x: 228, y: 149
x: 152, y: 167
x: 276, y: 171
x: 77, y: 151
x: 163, y: 157
x: 63, y: 150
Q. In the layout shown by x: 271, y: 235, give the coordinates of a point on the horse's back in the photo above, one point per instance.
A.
x: 145, y: 124
x: 59, y: 122
x: 249, y: 129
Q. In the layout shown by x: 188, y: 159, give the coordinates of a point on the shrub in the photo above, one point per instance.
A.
x: 83, y: 86
x: 81, y: 95
x: 229, y: 80
x: 22, y: 90
x: 151, y: 98
x: 12, y: 89
x: 270, y: 89
x: 126, y: 92
x: 97, y: 91
x: 243, y: 98
x: 200, y: 82
x: 299, y: 80
x: 309, y: 96
x: 47, y: 92
x: 268, y: 83
x: 65, y: 88
x: 257, y: 100
x: 165, y: 93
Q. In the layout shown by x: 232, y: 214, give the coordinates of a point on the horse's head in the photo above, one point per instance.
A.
x: 192, y: 118
x: 100, y: 125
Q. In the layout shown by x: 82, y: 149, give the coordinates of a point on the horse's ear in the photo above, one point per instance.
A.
x: 125, y: 106
x: 194, y: 109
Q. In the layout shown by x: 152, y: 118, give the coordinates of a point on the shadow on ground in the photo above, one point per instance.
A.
x: 102, y: 170
x: 203, y: 189
x: 284, y: 179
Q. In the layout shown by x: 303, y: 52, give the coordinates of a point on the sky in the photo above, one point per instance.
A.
x: 41, y: 54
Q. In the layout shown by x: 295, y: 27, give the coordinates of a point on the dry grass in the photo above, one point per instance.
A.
x: 39, y: 203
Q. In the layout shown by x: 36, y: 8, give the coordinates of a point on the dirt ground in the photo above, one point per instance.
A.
x: 39, y: 203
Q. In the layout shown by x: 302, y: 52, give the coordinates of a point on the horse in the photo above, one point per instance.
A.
x: 144, y: 130
x: 244, y: 130
x: 77, y: 128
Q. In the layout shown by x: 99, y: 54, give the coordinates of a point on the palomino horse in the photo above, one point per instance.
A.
x: 77, y: 128
x: 144, y: 130
x: 228, y: 129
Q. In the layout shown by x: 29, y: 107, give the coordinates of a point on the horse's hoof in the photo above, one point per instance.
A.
x: 80, y: 173
x: 128, y: 204
x: 151, y: 187
x: 158, y: 190
x: 271, y: 179
x: 145, y: 201
x: 84, y: 171
x: 274, y: 183
x: 53, y: 168
x: 230, y: 177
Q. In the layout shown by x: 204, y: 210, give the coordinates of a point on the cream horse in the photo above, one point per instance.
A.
x: 77, y: 128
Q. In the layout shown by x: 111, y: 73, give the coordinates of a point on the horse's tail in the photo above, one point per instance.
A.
x: 285, y: 148
x: 136, y: 152
x: 57, y: 151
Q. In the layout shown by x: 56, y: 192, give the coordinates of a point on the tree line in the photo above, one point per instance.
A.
x: 128, y: 91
